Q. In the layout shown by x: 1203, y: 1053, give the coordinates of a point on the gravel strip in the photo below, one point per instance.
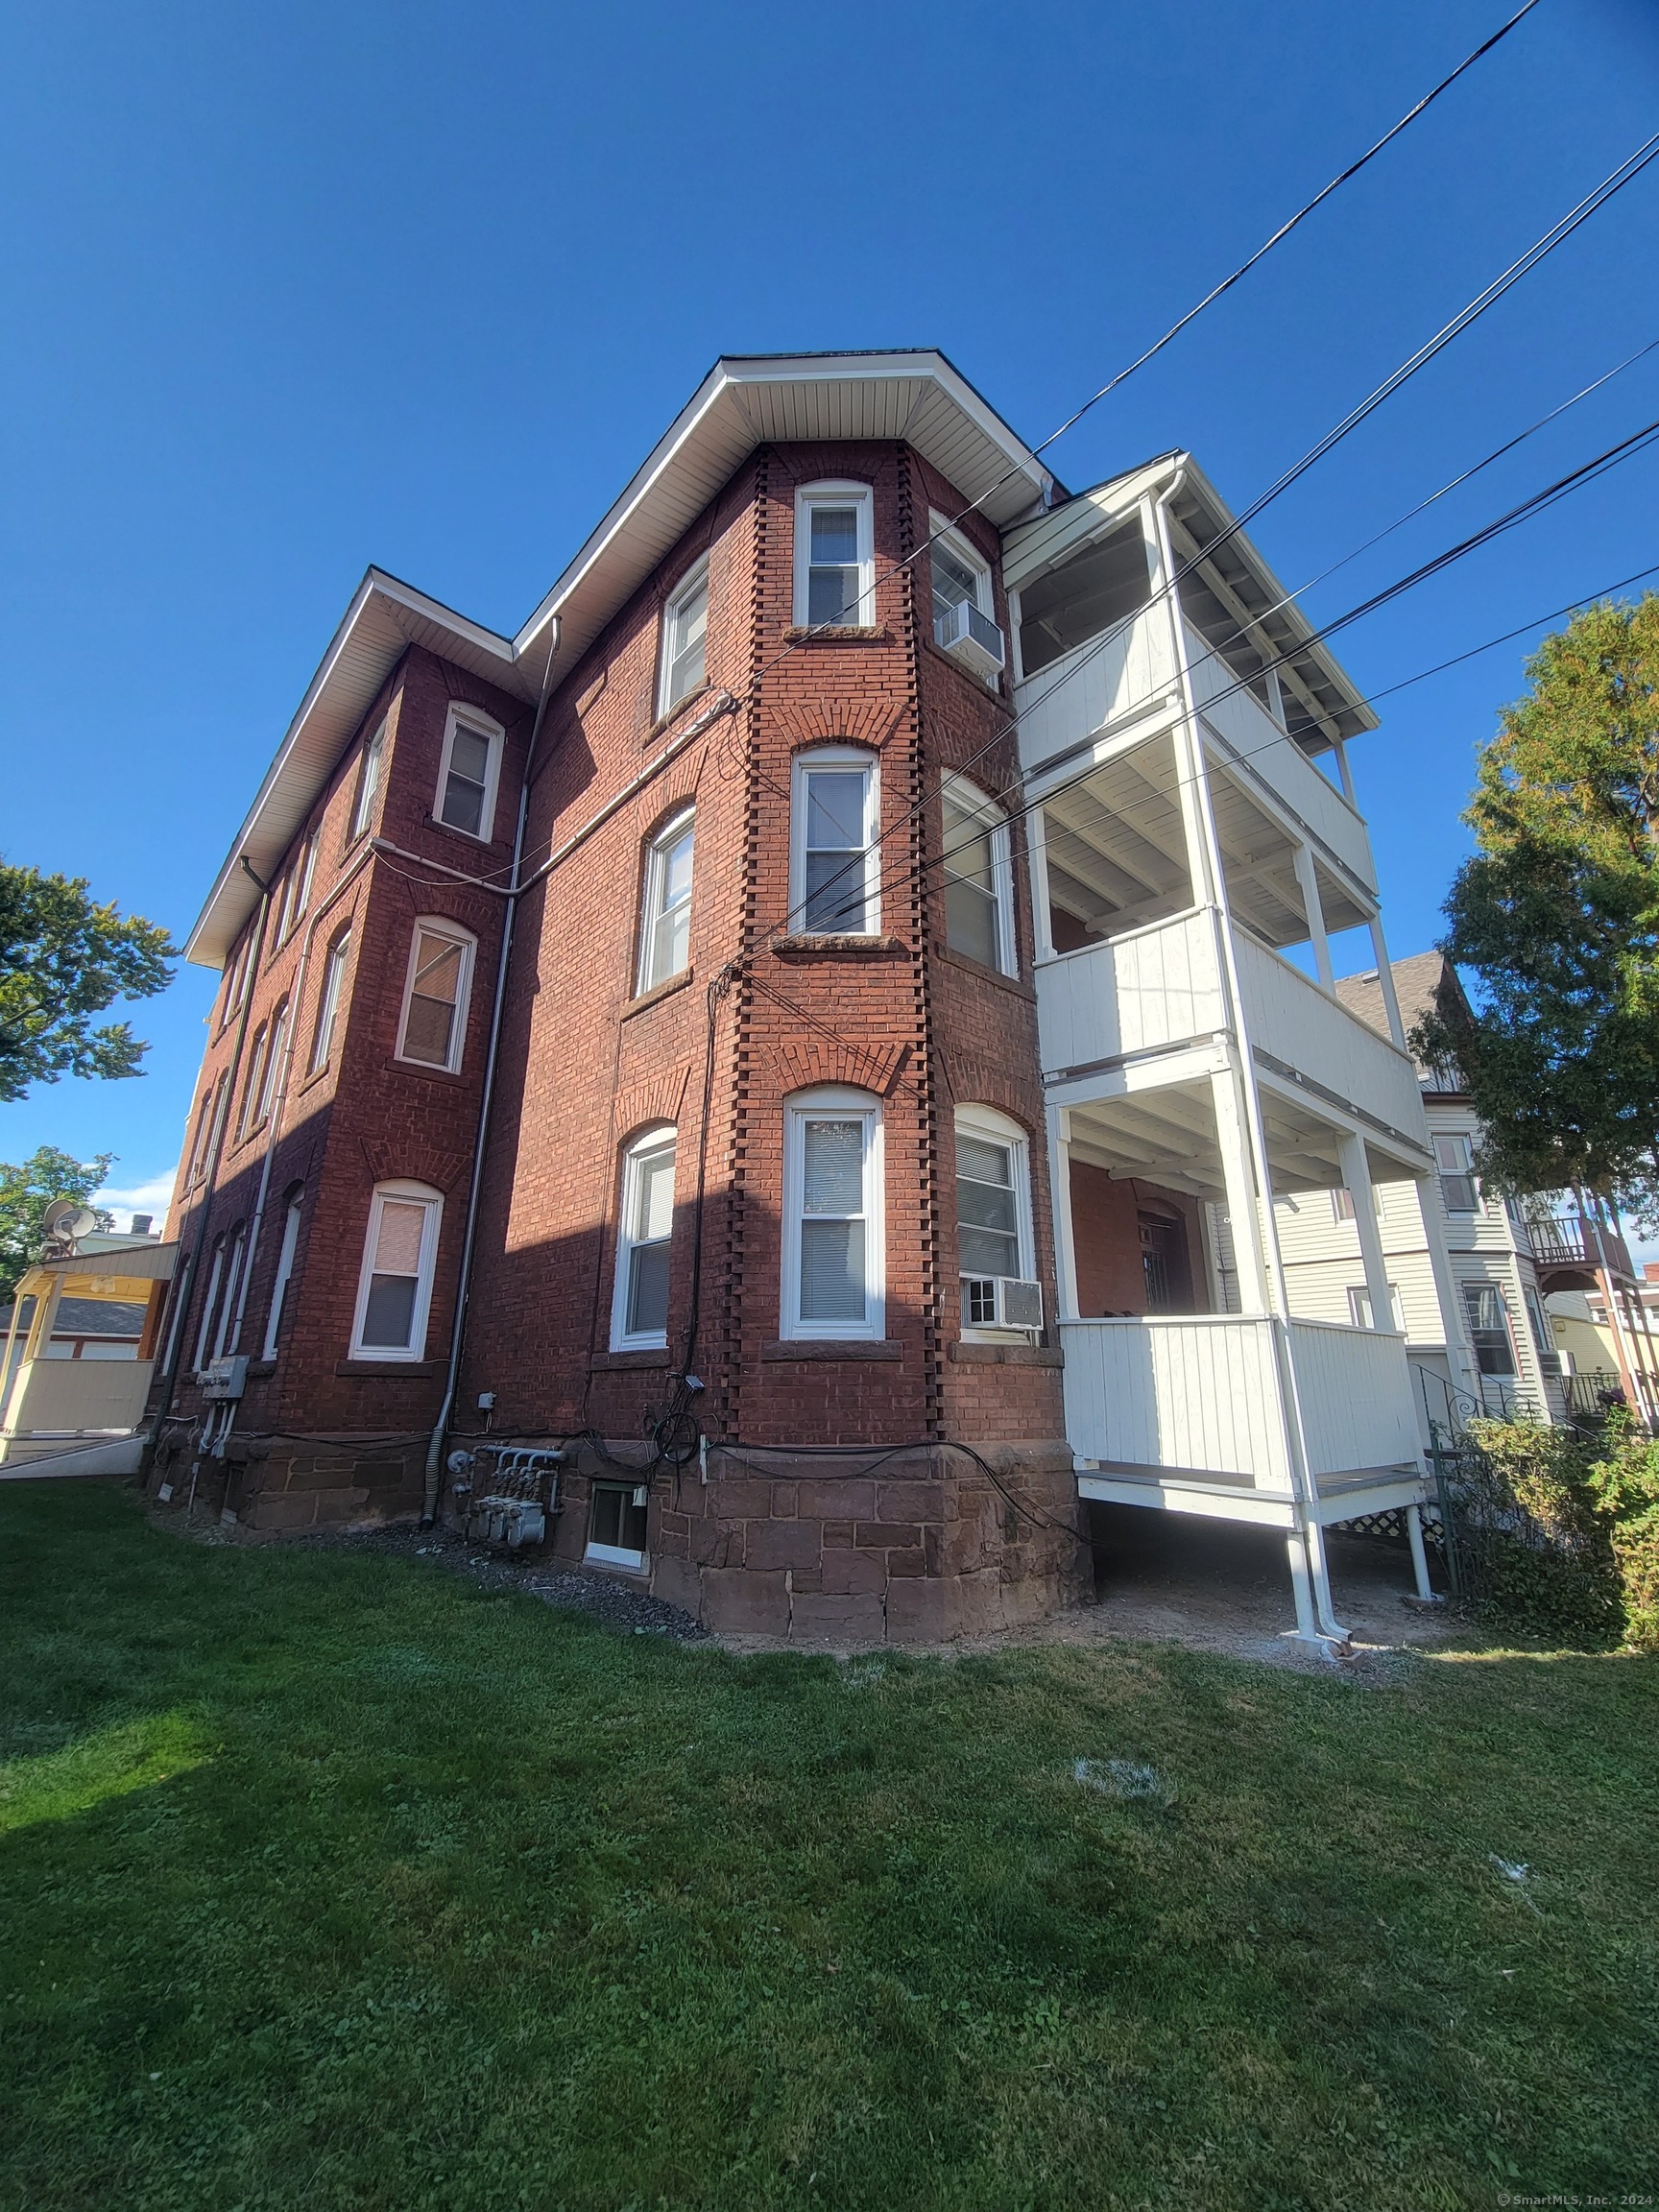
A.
x: 614, y: 1602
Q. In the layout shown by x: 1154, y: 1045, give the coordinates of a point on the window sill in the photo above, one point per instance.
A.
x: 647, y: 1356
x: 316, y: 1076
x: 827, y: 1349
x: 467, y: 836
x: 609, y: 1559
x: 838, y: 634
x: 419, y: 1068
x: 258, y: 1368
x: 414, y: 1370
x: 666, y: 722
x: 657, y: 992
x: 804, y: 945
x: 980, y: 1351
x: 988, y: 974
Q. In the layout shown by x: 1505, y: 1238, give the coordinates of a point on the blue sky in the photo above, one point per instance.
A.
x: 294, y: 290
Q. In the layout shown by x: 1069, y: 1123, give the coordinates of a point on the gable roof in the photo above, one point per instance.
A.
x: 744, y: 401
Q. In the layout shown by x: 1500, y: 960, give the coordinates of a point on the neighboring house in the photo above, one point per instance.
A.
x: 79, y: 1348
x: 1476, y: 1283
x: 890, y: 1090
x: 1604, y: 1340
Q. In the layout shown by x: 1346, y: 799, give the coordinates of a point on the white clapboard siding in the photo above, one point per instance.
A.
x: 1298, y: 1024
x: 1263, y: 750
x: 1355, y: 1387
x: 1195, y: 1392
x: 1098, y: 682
x: 1155, y: 986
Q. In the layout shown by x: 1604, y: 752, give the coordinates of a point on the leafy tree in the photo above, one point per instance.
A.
x: 25, y: 1193
x: 1558, y: 913
x: 63, y: 958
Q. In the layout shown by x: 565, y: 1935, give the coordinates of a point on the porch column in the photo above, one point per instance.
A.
x: 1453, y: 1320
x: 1308, y: 879
x: 1245, y: 1211
x: 1357, y: 1174
x: 1386, y: 981
x: 1059, y: 1122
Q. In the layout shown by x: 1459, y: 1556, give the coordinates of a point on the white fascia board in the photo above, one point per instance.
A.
x: 383, y: 620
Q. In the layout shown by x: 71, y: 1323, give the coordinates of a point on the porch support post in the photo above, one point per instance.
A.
x: 1302, y: 1587
x: 1419, y: 1557
x: 1059, y: 1121
x: 1244, y: 1212
x: 1037, y: 860
x: 1308, y: 879
x: 1357, y: 1174
x: 1386, y: 981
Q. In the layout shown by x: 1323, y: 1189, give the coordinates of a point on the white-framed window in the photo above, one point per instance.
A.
x: 961, y: 576
x: 432, y: 1028
x: 617, y: 1517
x: 255, y: 1084
x: 1359, y: 1307
x: 1455, y: 1157
x: 369, y: 782
x: 665, y: 922
x: 834, y: 859
x: 1487, y: 1312
x: 834, y: 557
x: 215, y: 1275
x: 292, y: 1215
x: 835, y: 1258
x: 328, y: 1003
x: 233, y: 1282
x: 993, y: 1235
x: 202, y: 1144
x: 640, y: 1299
x: 468, y: 773
x: 979, y: 878
x: 684, y: 639
x: 395, y: 1290
x: 236, y: 978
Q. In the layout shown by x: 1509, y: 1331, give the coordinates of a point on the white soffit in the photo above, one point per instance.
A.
x: 744, y: 401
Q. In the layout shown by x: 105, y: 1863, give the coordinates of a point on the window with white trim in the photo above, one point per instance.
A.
x: 395, y: 1290
x: 199, y: 1150
x: 979, y: 878
x: 640, y: 1299
x: 236, y: 978
x: 666, y: 923
x: 993, y: 1234
x: 834, y: 1261
x: 292, y: 1215
x: 684, y: 639
x: 328, y: 1002
x: 264, y: 1066
x: 834, y: 557
x: 369, y: 782
x: 1489, y: 1332
x: 1359, y: 1307
x: 1341, y: 1203
x: 432, y: 1028
x: 233, y: 1282
x: 835, y: 866
x: 467, y: 774
x: 617, y: 1517
x: 1455, y: 1157
x: 215, y: 1275
x: 961, y: 578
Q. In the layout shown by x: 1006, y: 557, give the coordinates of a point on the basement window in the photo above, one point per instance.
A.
x: 616, y: 1524
x: 1106, y: 582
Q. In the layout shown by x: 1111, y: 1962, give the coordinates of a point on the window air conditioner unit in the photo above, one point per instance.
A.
x: 1002, y: 1302
x: 973, y: 639
x: 224, y: 1378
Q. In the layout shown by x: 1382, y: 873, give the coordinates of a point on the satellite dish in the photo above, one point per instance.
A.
x: 66, y: 1221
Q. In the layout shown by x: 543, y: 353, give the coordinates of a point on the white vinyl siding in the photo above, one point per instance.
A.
x: 467, y: 774
x: 639, y: 1304
x: 665, y: 925
x: 432, y: 1030
x: 833, y: 1256
x: 684, y: 641
x: 395, y: 1290
x: 834, y: 858
x: 834, y: 557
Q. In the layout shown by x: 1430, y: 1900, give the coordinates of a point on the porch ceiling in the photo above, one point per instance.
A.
x: 1169, y: 1136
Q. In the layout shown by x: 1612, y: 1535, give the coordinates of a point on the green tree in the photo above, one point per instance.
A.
x: 1558, y: 913
x: 25, y: 1193
x: 63, y: 958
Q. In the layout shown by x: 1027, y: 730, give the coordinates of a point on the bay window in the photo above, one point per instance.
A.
x: 432, y: 1030
x: 468, y: 773
x: 684, y: 641
x: 666, y: 926
x: 395, y: 1288
x: 834, y: 871
x: 834, y: 1263
x: 639, y: 1299
x: 978, y: 884
x: 834, y: 558
x: 993, y: 1234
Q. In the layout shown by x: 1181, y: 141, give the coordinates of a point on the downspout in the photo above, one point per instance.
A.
x: 457, y: 1328
x: 1279, y: 1319
x: 187, y: 1277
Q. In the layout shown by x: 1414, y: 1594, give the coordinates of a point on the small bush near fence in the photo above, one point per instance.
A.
x: 1558, y: 1530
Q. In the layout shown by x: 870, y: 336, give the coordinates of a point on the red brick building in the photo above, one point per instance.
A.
x: 757, y: 1079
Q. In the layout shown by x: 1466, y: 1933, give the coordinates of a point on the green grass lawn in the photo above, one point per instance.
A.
x: 330, y: 1880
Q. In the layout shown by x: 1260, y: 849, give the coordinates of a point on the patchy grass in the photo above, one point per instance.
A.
x: 330, y: 1880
